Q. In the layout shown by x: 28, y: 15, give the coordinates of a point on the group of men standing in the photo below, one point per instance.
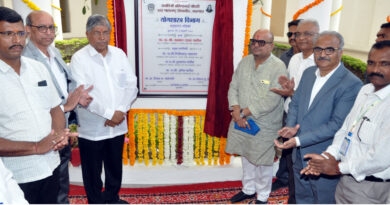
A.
x: 38, y: 90
x: 334, y: 126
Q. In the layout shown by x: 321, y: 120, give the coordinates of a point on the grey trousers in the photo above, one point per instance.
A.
x: 349, y: 191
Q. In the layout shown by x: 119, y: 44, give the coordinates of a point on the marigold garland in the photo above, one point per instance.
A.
x: 153, y: 147
x: 125, y: 153
x: 160, y: 133
x: 222, y: 144
x: 197, y: 138
x: 306, y: 8
x: 202, y: 144
x: 140, y: 146
x: 31, y: 5
x: 216, y: 150
x: 338, y: 10
x: 195, y: 143
x: 209, y: 150
x: 130, y: 121
x: 263, y: 12
x: 145, y: 136
x: 248, y: 27
x: 388, y: 19
x: 111, y: 19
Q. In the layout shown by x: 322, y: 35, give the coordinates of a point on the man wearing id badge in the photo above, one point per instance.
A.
x: 257, y: 115
x: 360, y: 150
x: 324, y: 97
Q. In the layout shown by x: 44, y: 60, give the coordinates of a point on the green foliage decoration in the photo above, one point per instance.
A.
x: 69, y: 47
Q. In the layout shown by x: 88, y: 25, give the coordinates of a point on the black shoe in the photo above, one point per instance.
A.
x: 261, y: 202
x: 277, y: 185
x: 240, y: 197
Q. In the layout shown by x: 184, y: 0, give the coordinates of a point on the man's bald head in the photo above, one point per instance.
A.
x: 36, y: 14
x: 266, y: 33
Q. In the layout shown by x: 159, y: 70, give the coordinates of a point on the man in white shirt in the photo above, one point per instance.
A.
x: 103, y: 122
x: 41, y: 29
x: 10, y: 193
x: 29, y: 111
x: 317, y: 110
x: 307, y: 30
x: 360, y: 149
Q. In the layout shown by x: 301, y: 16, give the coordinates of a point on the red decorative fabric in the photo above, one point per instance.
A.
x: 120, y: 25
x: 179, y: 150
x: 221, y: 71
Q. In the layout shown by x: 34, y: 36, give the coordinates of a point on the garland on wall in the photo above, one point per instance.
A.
x: 174, y: 137
x: 338, y: 10
x: 266, y: 14
x: 248, y: 27
x: 306, y: 8
x: 111, y: 19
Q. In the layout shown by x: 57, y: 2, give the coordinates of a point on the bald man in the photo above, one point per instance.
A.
x: 250, y: 99
x: 42, y: 30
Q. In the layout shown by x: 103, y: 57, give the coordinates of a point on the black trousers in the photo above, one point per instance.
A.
x: 285, y: 172
x: 94, y: 155
x: 63, y: 172
x: 44, y: 191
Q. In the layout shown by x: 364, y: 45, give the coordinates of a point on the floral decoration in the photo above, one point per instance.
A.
x: 248, y: 27
x: 306, y: 8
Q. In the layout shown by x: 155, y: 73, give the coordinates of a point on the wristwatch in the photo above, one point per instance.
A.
x: 242, y: 114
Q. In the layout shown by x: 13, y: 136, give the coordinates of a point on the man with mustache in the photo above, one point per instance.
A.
x: 41, y: 29
x: 382, y: 35
x: 284, y: 175
x: 103, y: 123
x: 360, y: 149
x: 292, y: 29
x: 318, y: 108
x: 32, y: 124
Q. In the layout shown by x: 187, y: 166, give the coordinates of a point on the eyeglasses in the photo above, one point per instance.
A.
x: 289, y: 34
x: 261, y: 43
x: 10, y: 34
x: 328, y: 50
x: 305, y: 34
x: 43, y: 29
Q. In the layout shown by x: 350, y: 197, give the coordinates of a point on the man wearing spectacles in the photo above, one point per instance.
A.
x: 318, y: 108
x: 250, y: 99
x: 32, y: 124
x: 360, y: 149
x: 284, y: 176
x: 41, y: 28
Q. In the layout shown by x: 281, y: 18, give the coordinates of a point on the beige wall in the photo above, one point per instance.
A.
x: 6, y: 3
x: 77, y: 19
x: 100, y: 7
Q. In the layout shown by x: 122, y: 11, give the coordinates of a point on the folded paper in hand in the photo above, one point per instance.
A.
x: 254, y: 129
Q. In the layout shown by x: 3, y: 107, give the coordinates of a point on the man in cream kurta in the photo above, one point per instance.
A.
x: 250, y: 97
